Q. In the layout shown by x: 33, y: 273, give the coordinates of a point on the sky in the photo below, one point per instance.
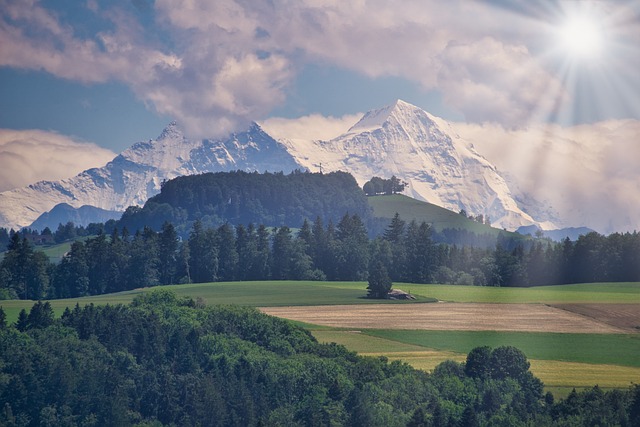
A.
x: 92, y: 77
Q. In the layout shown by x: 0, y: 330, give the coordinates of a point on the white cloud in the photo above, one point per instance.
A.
x: 225, y: 63
x: 490, y: 81
x: 219, y: 64
x: 29, y: 156
x: 589, y: 173
x: 311, y: 127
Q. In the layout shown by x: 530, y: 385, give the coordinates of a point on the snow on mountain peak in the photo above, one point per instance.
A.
x: 439, y: 167
x: 399, y: 139
x: 136, y: 174
x: 373, y: 119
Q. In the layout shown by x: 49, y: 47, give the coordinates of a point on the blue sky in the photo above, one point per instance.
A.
x: 102, y: 75
x: 115, y: 72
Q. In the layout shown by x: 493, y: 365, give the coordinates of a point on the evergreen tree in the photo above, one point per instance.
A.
x: 144, y: 261
x: 40, y: 316
x: 227, y: 253
x: 23, y: 321
x: 352, y: 254
x: 246, y: 249
x: 167, y: 254
x: 24, y: 271
x: 262, y: 263
x: 395, y: 235
x: 282, y: 253
x: 203, y: 254
x: 71, y: 276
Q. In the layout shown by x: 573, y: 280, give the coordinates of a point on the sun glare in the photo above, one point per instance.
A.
x: 581, y: 37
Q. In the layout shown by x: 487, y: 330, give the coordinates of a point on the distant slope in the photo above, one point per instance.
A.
x: 409, y: 209
x: 82, y: 216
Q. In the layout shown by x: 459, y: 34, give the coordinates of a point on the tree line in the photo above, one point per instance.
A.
x: 405, y: 252
x: 238, y: 197
x: 164, y: 360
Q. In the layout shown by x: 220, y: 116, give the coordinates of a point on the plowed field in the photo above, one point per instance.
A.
x: 626, y: 316
x: 448, y: 316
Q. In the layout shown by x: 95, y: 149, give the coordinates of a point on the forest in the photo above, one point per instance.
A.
x: 406, y: 252
x: 238, y: 197
x: 164, y: 360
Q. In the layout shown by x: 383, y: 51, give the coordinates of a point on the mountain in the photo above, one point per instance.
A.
x: 438, y: 166
x: 400, y: 139
x: 63, y: 213
x: 137, y: 174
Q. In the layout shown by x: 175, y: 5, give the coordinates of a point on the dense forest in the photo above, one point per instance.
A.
x: 164, y: 360
x: 404, y: 252
x: 273, y: 199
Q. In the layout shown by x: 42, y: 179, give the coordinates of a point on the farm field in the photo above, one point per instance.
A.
x: 266, y: 293
x: 599, y: 344
x: 447, y: 317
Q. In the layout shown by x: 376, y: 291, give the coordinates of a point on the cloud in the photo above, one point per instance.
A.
x: 29, y: 156
x: 491, y: 81
x: 218, y: 65
x: 589, y: 173
x: 311, y: 127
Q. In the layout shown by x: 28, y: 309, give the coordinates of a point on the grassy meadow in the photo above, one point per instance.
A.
x: 562, y: 361
x: 386, y: 206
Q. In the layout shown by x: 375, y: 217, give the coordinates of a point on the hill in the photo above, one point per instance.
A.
x: 242, y: 198
x: 441, y: 219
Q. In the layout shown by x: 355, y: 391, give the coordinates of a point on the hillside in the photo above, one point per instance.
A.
x: 242, y: 198
x: 386, y: 206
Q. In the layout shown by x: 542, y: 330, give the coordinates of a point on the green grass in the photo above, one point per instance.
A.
x: 55, y: 252
x: 257, y: 294
x: 613, y: 349
x: 283, y: 293
x: 578, y: 293
x: 440, y: 218
x: 559, y: 377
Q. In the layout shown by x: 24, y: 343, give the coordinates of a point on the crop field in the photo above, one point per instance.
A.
x: 573, y: 335
x: 447, y: 317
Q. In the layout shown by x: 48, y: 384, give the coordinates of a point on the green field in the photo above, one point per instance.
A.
x: 562, y: 361
x: 283, y: 293
x: 578, y: 293
x: 256, y: 294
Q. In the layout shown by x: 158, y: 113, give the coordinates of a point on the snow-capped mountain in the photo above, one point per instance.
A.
x: 400, y: 139
x: 423, y: 150
x: 137, y: 174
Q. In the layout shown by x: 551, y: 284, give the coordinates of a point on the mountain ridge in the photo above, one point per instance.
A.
x: 137, y: 173
x: 399, y: 139
x: 405, y: 141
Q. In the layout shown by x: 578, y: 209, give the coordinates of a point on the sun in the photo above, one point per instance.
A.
x: 581, y: 37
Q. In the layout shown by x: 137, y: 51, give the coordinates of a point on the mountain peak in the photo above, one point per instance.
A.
x: 172, y: 130
x: 375, y: 119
